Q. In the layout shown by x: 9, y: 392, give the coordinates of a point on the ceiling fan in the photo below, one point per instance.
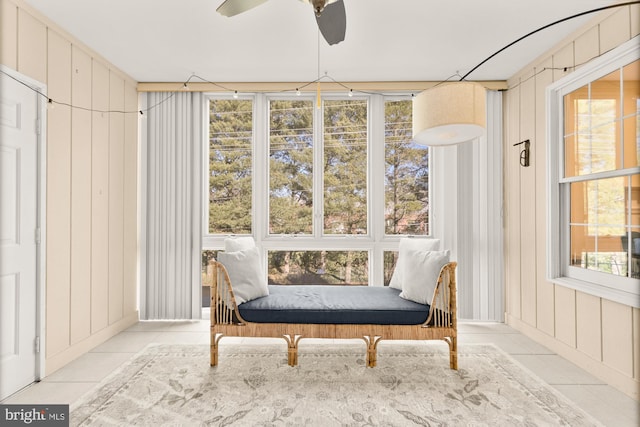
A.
x: 330, y: 15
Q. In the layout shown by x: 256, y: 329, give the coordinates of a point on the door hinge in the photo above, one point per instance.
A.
x: 37, y: 236
x: 38, y: 126
x: 37, y: 344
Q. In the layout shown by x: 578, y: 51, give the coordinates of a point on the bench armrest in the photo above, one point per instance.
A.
x: 224, y: 309
x: 443, y: 310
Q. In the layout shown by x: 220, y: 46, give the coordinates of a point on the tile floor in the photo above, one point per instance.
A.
x: 610, y: 406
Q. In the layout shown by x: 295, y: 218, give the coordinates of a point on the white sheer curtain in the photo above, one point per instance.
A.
x: 171, y: 152
x: 467, y: 215
x: 488, y: 256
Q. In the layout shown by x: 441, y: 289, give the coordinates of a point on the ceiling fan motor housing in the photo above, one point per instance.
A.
x: 318, y: 5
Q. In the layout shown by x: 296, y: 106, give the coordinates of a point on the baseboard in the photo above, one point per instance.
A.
x: 612, y: 377
x: 61, y: 359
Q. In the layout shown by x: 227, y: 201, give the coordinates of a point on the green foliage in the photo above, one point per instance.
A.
x: 406, y: 174
x: 345, y: 167
x: 390, y: 259
x: 230, y: 136
x: 318, y: 267
x: 291, y: 167
x: 206, y: 256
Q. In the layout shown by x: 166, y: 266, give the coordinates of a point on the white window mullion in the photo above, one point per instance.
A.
x: 260, y: 184
x: 622, y: 117
x: 260, y: 203
x: 375, y: 187
x: 628, y: 230
x: 207, y: 239
x: 318, y: 170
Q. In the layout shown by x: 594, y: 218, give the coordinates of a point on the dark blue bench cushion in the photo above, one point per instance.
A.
x: 326, y: 304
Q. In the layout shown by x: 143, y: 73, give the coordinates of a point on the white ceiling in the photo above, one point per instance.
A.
x: 386, y: 40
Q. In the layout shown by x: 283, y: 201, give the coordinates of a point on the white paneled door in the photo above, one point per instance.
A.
x: 18, y: 234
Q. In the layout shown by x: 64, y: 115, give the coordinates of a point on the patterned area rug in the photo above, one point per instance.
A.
x: 254, y: 386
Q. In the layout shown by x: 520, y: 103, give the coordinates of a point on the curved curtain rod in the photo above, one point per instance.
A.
x: 547, y: 26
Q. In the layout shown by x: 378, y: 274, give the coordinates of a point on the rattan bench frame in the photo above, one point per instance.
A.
x: 441, y: 323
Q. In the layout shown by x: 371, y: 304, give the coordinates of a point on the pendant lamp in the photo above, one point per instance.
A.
x: 449, y: 114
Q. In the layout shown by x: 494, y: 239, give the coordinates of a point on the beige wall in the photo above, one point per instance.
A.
x: 91, y: 161
x: 601, y: 336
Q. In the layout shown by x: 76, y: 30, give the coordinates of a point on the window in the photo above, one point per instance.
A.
x: 345, y: 167
x: 326, y: 189
x: 230, y: 179
x: 597, y: 131
x: 318, y: 267
x: 406, y: 186
x: 406, y: 181
x: 291, y: 167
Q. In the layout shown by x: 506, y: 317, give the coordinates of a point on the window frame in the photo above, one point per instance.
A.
x: 625, y: 290
x: 375, y: 241
x: 318, y: 231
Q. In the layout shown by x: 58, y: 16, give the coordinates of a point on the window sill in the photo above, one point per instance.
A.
x: 613, y: 294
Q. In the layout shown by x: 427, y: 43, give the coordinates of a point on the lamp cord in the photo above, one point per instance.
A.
x: 547, y: 26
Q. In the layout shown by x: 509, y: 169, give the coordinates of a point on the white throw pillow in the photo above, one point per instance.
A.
x: 246, y: 274
x: 235, y: 244
x: 406, y: 244
x: 421, y: 272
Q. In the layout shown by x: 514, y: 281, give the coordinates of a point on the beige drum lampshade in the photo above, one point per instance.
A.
x: 449, y: 114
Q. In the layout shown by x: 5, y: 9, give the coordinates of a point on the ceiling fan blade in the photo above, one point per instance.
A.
x: 234, y: 7
x: 333, y: 22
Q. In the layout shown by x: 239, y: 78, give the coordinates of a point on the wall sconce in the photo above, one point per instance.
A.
x: 524, y: 154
